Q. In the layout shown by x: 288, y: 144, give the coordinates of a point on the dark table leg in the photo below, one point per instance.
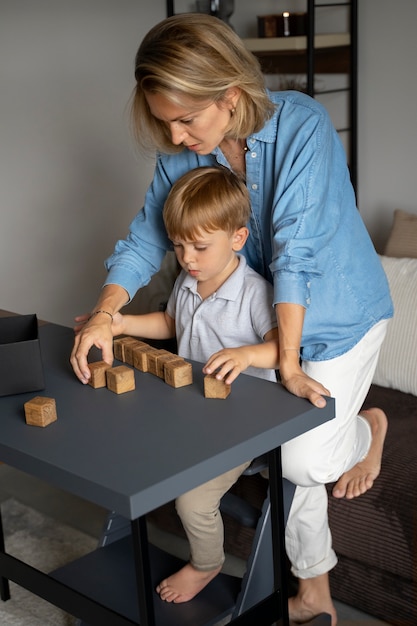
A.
x: 4, y: 583
x: 278, y: 531
x: 143, y: 571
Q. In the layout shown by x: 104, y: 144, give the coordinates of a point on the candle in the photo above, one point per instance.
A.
x: 286, y: 18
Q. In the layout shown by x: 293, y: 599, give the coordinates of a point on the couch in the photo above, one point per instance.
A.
x: 375, y: 536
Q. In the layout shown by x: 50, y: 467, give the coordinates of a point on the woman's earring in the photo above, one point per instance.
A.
x: 232, y: 111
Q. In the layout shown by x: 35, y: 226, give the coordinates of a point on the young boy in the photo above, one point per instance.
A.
x: 221, y: 313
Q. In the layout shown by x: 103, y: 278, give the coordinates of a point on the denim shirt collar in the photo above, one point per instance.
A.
x: 267, y: 134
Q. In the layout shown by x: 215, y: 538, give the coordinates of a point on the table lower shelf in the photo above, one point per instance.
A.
x: 107, y: 576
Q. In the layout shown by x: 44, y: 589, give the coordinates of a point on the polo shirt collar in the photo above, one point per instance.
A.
x: 230, y: 289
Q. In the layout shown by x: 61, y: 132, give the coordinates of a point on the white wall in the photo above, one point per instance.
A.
x: 70, y: 180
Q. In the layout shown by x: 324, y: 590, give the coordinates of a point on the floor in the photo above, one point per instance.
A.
x: 89, y: 519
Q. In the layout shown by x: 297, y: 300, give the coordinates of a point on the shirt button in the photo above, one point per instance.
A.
x: 254, y: 186
x: 253, y: 155
x: 308, y: 301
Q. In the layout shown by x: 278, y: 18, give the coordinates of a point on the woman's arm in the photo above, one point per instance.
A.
x: 132, y: 264
x: 290, y: 323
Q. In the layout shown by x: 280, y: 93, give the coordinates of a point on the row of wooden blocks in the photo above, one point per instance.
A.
x: 173, y: 369
x: 166, y: 365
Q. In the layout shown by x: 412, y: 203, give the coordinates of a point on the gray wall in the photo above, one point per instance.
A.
x: 70, y: 179
x: 387, y: 112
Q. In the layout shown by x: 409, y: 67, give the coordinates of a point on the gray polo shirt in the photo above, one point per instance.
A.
x: 239, y: 313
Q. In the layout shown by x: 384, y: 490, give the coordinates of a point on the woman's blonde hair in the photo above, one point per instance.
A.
x: 196, y: 57
x: 206, y: 198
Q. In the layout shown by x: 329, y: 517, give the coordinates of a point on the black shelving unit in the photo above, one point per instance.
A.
x: 352, y: 88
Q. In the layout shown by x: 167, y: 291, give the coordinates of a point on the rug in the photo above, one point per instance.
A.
x: 45, y: 544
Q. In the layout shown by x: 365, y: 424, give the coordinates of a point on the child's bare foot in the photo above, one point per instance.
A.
x: 312, y: 599
x: 185, y: 584
x: 361, y: 477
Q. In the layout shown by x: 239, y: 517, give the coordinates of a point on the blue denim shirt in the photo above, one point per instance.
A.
x: 306, y: 234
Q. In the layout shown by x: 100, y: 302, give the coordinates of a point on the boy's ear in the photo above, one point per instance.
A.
x: 239, y: 238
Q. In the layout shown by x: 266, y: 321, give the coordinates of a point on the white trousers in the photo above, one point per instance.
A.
x: 323, y: 454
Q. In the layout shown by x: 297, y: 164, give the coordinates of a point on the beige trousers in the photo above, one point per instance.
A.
x: 199, y: 512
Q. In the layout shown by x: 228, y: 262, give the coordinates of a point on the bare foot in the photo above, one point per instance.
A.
x: 312, y: 599
x: 185, y: 584
x: 361, y: 477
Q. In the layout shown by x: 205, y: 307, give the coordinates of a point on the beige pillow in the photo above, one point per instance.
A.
x: 402, y: 241
x: 397, y: 364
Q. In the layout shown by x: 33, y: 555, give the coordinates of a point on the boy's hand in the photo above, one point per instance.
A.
x: 229, y: 362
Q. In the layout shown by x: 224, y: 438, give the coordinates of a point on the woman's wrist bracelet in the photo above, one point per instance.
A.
x: 292, y: 349
x: 101, y: 311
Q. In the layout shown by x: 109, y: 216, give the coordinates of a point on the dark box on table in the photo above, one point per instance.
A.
x: 21, y: 367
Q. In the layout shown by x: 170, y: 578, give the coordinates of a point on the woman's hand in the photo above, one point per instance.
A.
x: 96, y: 331
x: 229, y: 362
x: 301, y: 385
x: 290, y: 319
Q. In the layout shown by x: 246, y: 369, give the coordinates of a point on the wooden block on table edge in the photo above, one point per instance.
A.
x: 214, y: 388
x: 120, y: 379
x: 178, y: 373
x: 40, y: 411
x: 98, y: 374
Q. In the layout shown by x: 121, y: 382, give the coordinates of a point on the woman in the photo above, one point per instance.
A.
x: 200, y: 100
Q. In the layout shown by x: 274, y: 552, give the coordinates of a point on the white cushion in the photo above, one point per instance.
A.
x: 397, y: 365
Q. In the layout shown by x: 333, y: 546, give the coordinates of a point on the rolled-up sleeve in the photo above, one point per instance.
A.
x: 138, y: 257
x: 306, y: 204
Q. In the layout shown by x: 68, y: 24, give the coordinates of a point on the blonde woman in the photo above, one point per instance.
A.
x: 200, y: 100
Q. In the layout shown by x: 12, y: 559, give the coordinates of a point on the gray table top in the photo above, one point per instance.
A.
x: 136, y: 451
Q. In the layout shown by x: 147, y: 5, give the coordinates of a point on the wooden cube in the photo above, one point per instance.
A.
x: 120, y: 379
x: 128, y: 350
x: 119, y: 345
x: 153, y: 358
x: 162, y: 360
x: 140, y: 357
x: 98, y: 374
x: 40, y: 411
x: 214, y: 388
x: 178, y: 373
x: 118, y: 348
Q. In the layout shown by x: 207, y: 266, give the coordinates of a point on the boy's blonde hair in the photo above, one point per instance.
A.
x: 209, y: 199
x: 196, y: 58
